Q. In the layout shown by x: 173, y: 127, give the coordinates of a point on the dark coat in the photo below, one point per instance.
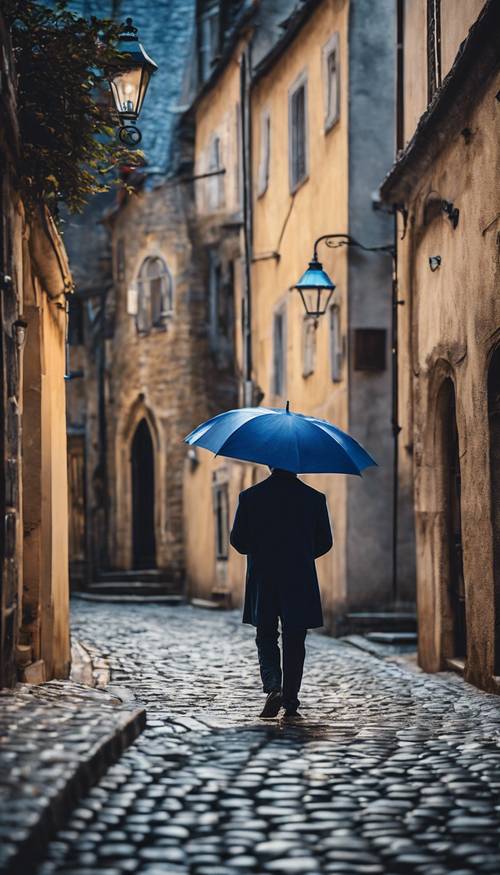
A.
x: 283, y: 526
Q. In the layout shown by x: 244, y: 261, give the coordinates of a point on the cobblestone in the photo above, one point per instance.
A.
x: 55, y: 739
x: 389, y: 770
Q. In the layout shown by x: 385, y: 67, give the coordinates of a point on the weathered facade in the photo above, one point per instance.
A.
x: 35, y: 278
x: 445, y: 185
x: 340, y: 368
x: 149, y: 372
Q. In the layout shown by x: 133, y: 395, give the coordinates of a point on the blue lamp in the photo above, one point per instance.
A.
x: 315, y: 288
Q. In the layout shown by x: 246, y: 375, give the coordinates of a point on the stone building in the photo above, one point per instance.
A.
x: 149, y: 372
x: 288, y: 128
x: 35, y: 277
x: 445, y: 186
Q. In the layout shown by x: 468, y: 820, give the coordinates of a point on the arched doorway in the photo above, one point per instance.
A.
x: 494, y: 426
x: 457, y: 641
x: 143, y: 498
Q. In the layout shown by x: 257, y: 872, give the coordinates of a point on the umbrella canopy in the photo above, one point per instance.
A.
x: 281, y: 439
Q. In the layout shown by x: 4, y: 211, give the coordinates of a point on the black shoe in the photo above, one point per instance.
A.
x: 272, y: 706
x: 292, y: 715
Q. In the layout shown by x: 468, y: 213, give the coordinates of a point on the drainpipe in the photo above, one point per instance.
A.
x: 246, y: 166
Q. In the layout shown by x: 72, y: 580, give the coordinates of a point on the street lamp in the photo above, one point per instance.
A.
x: 315, y: 286
x: 130, y: 83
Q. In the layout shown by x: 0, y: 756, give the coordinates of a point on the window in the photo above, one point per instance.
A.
x: 154, y: 294
x: 297, y: 133
x: 335, y: 345
x: 279, y: 352
x: 265, y: 153
x: 331, y: 78
x: 215, y: 183
x: 369, y: 349
x: 221, y: 510
x: 220, y: 307
x: 308, y: 346
x: 208, y: 39
x: 433, y: 47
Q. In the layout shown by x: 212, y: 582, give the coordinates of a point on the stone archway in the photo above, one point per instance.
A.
x: 143, y: 497
x: 138, y: 446
x: 494, y: 434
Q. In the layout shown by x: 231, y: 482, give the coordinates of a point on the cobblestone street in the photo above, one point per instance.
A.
x: 389, y: 771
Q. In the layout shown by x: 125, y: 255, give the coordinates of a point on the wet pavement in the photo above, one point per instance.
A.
x: 389, y: 771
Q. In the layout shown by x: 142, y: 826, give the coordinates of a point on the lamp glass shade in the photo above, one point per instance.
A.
x: 131, y: 80
x: 315, y: 288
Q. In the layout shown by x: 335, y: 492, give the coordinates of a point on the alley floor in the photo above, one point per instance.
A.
x: 389, y: 770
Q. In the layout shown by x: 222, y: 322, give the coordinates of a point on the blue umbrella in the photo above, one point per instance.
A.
x: 281, y: 439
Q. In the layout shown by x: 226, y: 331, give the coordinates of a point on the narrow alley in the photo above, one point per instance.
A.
x: 389, y: 771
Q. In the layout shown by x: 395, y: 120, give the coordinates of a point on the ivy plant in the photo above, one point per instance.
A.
x: 63, y: 62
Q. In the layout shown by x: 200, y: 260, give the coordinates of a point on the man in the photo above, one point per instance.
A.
x: 283, y: 526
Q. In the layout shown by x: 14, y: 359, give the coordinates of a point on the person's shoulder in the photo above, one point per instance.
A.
x: 254, y: 490
x: 315, y: 494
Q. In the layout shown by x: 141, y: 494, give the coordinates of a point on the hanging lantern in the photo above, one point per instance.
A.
x: 315, y: 288
x: 130, y: 83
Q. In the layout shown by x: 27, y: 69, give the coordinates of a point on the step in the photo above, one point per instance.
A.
x: 129, y: 599
x: 145, y: 575
x: 134, y: 587
x: 395, y: 622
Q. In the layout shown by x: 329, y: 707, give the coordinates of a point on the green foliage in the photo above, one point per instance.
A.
x: 68, y: 146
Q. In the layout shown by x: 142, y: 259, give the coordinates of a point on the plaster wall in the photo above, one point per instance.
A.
x: 453, y: 316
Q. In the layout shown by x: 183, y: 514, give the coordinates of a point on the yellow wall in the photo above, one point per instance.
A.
x: 217, y: 116
x: 319, y: 206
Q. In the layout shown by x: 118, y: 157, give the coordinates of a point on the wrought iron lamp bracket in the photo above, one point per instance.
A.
x: 334, y: 241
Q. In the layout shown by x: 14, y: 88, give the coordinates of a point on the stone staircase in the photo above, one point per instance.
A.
x: 143, y: 585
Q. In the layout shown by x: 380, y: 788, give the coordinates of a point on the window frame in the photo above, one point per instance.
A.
x: 144, y: 301
x: 295, y: 182
x: 331, y: 47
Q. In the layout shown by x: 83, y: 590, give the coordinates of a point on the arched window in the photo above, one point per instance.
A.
x: 154, y: 294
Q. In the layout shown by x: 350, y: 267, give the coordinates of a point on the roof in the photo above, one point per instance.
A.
x: 166, y: 30
x: 477, y: 60
x: 292, y: 27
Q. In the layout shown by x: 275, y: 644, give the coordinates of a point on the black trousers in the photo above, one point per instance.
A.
x: 270, y: 660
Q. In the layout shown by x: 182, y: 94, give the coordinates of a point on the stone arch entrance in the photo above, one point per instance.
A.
x: 143, y: 497
x: 494, y: 430
x: 140, y: 498
x: 455, y: 639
